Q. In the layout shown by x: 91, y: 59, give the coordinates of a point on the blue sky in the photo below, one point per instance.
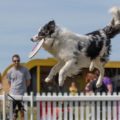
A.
x: 20, y: 20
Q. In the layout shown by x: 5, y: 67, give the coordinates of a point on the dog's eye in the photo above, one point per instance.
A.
x: 42, y: 33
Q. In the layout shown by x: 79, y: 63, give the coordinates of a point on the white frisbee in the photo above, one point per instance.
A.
x: 36, y: 49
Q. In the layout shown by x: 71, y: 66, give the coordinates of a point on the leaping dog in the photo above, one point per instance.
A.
x: 75, y: 51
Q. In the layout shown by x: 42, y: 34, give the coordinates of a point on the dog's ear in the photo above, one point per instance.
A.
x: 51, y: 23
x: 51, y: 27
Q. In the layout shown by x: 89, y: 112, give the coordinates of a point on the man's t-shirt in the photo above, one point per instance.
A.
x: 17, y: 79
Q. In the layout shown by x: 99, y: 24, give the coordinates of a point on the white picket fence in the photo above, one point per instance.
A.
x: 65, y: 107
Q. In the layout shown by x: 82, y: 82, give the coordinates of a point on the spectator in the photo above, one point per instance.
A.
x: 91, y: 79
x: 18, y: 79
x: 100, y: 89
x: 91, y: 87
x: 73, y: 88
x: 106, y: 81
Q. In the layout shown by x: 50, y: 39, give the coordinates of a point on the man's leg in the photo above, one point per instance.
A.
x: 15, y: 111
x: 22, y: 115
x: 21, y: 109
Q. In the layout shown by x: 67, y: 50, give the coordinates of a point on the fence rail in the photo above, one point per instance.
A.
x: 63, y: 106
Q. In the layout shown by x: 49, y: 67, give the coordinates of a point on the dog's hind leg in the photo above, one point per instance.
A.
x: 64, y: 70
x: 100, y: 67
x: 54, y: 71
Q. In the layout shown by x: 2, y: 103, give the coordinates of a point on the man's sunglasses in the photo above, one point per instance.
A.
x: 16, y: 60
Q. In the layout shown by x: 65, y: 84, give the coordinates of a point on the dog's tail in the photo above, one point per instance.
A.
x: 115, y: 11
x: 114, y: 27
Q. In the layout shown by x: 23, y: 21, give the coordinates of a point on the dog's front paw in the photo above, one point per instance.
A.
x: 98, y: 84
x: 47, y: 80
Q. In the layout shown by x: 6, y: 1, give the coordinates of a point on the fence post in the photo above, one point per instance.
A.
x: 98, y: 117
x: 82, y: 107
x: 60, y: 107
x: 115, y: 108
x: 109, y: 108
x: 55, y: 111
x: 4, y: 106
x: 76, y: 109
x: 44, y: 117
x: 31, y: 105
x: 49, y: 108
x: 70, y: 109
x: 26, y: 108
x: 104, y: 107
x: 38, y: 107
x: 118, y: 108
x: 66, y: 108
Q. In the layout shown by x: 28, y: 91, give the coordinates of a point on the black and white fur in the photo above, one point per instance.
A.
x: 74, y: 51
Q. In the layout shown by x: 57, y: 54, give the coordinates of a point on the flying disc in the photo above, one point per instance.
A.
x: 36, y: 49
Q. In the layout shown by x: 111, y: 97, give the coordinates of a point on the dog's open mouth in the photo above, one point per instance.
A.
x: 36, y: 48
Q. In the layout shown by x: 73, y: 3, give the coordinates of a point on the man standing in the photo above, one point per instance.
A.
x: 18, y: 79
